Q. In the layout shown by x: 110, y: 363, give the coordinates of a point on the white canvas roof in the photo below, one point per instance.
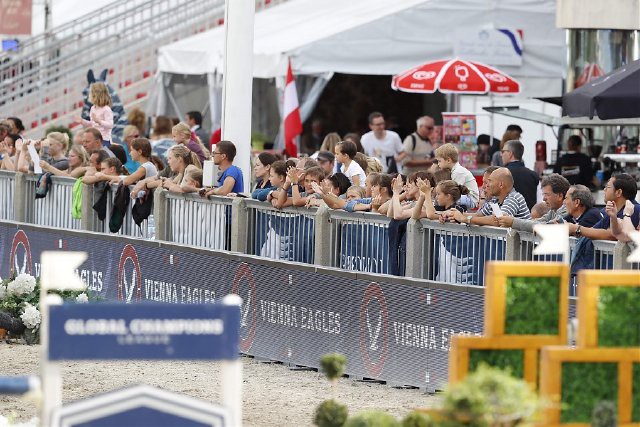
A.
x: 378, y: 37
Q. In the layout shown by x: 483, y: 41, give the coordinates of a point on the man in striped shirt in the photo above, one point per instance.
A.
x: 506, y: 201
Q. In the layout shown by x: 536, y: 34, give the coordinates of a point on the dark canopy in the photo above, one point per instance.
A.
x: 615, y: 95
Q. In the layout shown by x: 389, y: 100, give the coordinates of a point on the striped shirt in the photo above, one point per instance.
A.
x: 513, y: 205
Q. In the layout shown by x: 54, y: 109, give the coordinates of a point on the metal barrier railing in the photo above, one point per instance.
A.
x: 456, y: 253
x: 193, y: 220
x: 529, y: 241
x: 448, y: 253
x: 284, y: 234
x: 359, y: 241
x: 53, y: 210
x: 7, y: 185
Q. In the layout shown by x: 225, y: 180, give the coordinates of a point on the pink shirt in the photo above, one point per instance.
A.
x: 103, y: 121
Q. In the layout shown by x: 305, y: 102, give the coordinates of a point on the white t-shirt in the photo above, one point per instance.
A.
x: 150, y: 169
x: 354, y: 170
x: 384, y: 149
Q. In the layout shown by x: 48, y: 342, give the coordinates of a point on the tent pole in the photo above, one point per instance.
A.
x: 238, y: 82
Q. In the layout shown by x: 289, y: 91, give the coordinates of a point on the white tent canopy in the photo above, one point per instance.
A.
x: 376, y: 37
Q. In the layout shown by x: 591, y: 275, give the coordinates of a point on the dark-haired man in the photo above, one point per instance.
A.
x: 383, y: 144
x: 194, y: 120
x: 554, y: 190
x: 619, y: 189
x: 525, y: 180
x: 579, y: 203
x: 230, y: 180
x: 574, y: 165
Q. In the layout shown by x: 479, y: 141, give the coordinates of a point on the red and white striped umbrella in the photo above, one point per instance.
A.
x: 455, y: 76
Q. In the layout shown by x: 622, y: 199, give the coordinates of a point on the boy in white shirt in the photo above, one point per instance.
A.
x: 345, y: 153
x: 447, y: 158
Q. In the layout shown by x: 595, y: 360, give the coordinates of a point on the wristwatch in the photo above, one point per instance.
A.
x: 469, y: 219
x: 578, y: 230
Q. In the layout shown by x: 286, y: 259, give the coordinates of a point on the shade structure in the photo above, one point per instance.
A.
x: 455, y: 76
x: 616, y: 95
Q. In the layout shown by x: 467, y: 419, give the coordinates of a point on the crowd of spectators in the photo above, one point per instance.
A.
x: 376, y: 172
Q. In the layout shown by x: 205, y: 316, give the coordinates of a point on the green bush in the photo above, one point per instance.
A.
x: 532, y: 305
x: 333, y: 364
x: 604, y: 414
x: 330, y: 414
x: 417, y: 419
x: 510, y: 360
x: 372, y: 418
x: 619, y: 317
x: 635, y: 396
x: 487, y: 397
x: 584, y: 384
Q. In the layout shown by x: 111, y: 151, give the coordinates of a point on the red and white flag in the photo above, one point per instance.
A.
x: 291, y: 113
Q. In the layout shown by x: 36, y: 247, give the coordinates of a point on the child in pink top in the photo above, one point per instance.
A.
x: 101, y: 116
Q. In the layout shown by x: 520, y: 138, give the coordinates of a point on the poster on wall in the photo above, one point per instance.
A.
x: 15, y: 17
x: 460, y: 129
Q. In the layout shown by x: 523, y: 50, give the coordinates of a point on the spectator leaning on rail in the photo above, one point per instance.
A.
x: 141, y: 153
x: 554, y: 190
x: 505, y: 199
x: 622, y: 228
x: 580, y: 210
x: 53, y: 150
x: 525, y: 180
x: 447, y: 158
x: 8, y: 152
x: 262, y: 170
x: 230, y: 180
x: 620, y: 189
x: 182, y: 135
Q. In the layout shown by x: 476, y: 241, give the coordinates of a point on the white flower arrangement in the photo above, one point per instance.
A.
x: 82, y: 298
x: 3, y: 289
x: 22, y: 285
x: 31, y: 316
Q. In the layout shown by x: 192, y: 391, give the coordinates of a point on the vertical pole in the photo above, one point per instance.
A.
x: 239, y: 226
x: 414, y: 251
x: 160, y: 218
x: 50, y: 371
x: 19, y: 198
x: 231, y: 381
x: 323, y: 250
x: 238, y: 81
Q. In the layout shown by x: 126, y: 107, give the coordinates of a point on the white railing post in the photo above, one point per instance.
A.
x: 239, y: 225
x: 414, y: 251
x: 160, y: 214
x: 323, y: 249
x: 20, y: 198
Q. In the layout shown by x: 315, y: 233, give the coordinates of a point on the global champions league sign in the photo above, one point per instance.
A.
x: 392, y: 329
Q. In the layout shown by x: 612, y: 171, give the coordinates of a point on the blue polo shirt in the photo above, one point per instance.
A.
x: 235, y: 173
x: 605, y: 222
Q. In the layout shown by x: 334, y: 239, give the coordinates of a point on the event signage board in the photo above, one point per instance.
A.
x: 111, y: 331
x: 391, y: 329
x: 461, y: 129
x: 140, y: 405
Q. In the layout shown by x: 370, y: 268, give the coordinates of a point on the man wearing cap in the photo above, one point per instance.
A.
x: 327, y: 162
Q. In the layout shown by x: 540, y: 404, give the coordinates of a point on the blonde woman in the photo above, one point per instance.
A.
x: 52, y: 151
x: 182, y: 135
x: 100, y: 114
x: 78, y: 162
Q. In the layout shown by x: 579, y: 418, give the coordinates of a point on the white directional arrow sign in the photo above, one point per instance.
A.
x: 554, y: 239
x: 635, y: 255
